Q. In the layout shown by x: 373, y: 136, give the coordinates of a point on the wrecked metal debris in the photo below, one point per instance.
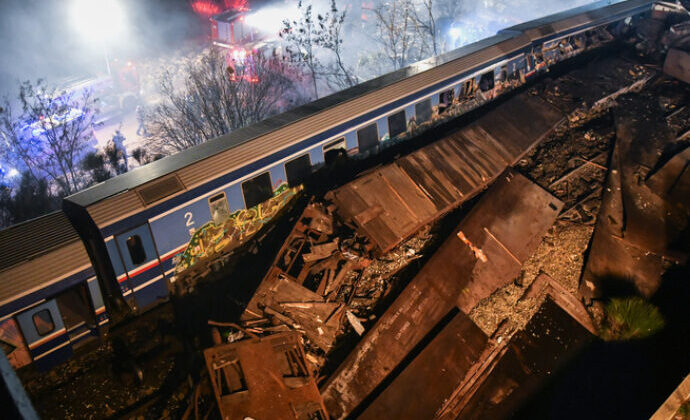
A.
x: 264, y: 378
x: 390, y: 204
x: 453, y: 276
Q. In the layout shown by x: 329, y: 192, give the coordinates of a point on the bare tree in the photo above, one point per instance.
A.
x: 50, y: 134
x: 425, y: 24
x: 217, y: 98
x: 300, y: 37
x: 330, y: 37
x: 447, y: 11
x: 396, y: 31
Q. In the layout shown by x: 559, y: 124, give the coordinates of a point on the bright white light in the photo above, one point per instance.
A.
x: 454, y: 33
x: 12, y: 173
x: 102, y: 20
x: 270, y: 19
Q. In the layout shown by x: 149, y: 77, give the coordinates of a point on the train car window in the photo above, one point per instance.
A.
x: 334, y: 149
x: 232, y: 380
x: 298, y: 169
x: 423, y: 111
x: 397, y: 124
x: 367, y: 138
x: 74, y: 306
x: 487, y: 81
x: 257, y: 190
x: 136, y: 249
x: 445, y: 100
x: 220, y: 210
x: 6, y: 347
x: 43, y: 321
x: 468, y: 88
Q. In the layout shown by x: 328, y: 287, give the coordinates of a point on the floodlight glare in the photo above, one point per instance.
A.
x: 100, y: 20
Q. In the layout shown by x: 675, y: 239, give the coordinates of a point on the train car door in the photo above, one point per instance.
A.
x: 142, y: 265
x: 45, y: 334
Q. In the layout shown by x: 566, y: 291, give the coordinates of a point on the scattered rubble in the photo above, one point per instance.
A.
x: 324, y: 282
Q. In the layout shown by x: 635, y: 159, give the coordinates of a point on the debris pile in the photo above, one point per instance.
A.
x: 324, y: 282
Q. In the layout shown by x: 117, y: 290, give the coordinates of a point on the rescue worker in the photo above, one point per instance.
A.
x: 140, y: 119
x: 119, y: 140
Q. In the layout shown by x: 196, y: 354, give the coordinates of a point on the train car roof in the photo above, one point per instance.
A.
x: 37, y: 256
x: 197, y: 153
x: 26, y: 240
x: 600, y: 12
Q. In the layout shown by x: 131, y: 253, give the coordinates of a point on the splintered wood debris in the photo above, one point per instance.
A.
x: 324, y: 282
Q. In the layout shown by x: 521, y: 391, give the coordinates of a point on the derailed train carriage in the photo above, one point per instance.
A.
x: 131, y: 231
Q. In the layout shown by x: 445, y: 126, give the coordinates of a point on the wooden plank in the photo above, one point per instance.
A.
x: 475, y: 161
x: 517, y: 134
x: 429, y: 180
x: 503, y: 148
x: 349, y: 201
x: 472, y: 176
x: 464, y: 181
x: 274, y: 289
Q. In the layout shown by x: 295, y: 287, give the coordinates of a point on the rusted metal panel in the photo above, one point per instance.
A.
x: 391, y: 203
x: 503, y: 231
x: 264, y: 378
x: 430, y: 378
x: 499, y: 344
x: 677, y: 64
x: 505, y: 227
x: 523, y: 367
x: 639, y: 225
x: 673, y: 178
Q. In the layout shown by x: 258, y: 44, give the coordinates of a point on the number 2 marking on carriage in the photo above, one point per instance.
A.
x: 189, y: 217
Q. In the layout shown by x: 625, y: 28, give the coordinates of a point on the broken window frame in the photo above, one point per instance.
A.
x: 333, y: 149
x: 490, y: 77
x: 467, y: 88
x: 213, y: 203
x: 222, y: 380
x: 445, y: 100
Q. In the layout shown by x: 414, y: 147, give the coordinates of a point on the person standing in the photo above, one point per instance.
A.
x: 118, y: 140
x: 141, y: 119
